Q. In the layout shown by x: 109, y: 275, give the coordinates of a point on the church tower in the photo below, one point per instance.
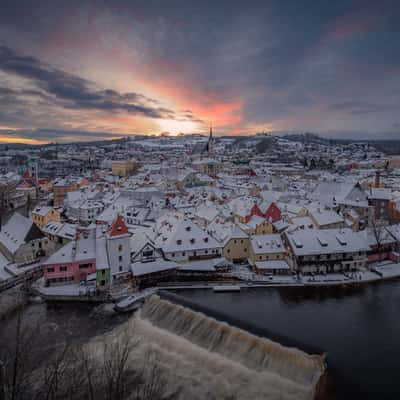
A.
x: 210, y: 142
x: 118, y: 248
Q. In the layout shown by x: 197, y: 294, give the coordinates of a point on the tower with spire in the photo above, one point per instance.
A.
x: 210, y: 142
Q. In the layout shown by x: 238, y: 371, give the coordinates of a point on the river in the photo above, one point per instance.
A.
x: 358, y: 327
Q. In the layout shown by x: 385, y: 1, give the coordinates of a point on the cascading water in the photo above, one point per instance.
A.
x: 212, y: 359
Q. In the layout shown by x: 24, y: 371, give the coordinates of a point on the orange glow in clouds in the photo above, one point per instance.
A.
x: 14, y: 139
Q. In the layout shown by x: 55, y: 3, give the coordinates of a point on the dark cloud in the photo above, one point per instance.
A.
x: 58, y: 135
x: 358, y: 108
x: 73, y: 91
x: 307, y: 65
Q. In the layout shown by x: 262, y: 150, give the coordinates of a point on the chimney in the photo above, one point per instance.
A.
x: 377, y: 179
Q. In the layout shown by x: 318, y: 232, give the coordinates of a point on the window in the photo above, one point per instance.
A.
x: 173, y: 255
x: 120, y: 268
x: 148, y: 253
x: 50, y: 269
x: 179, y: 242
x: 206, y: 239
x: 183, y: 253
x: 192, y: 240
x: 120, y: 258
x: 63, y: 269
x: 84, y: 266
x: 245, y: 250
x: 241, y: 241
x: 206, y: 251
x: 228, y: 251
x: 120, y: 247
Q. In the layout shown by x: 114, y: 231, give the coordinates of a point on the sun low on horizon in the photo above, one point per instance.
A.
x: 126, y: 68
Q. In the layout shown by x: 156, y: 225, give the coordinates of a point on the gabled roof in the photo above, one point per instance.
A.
x: 17, y: 231
x: 118, y: 227
x: 185, y: 236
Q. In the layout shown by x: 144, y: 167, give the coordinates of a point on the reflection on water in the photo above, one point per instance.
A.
x: 358, y: 327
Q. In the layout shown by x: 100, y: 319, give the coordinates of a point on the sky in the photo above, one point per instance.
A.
x: 86, y: 70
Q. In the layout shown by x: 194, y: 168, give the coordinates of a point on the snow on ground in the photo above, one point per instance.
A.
x: 388, y: 269
x: 71, y: 289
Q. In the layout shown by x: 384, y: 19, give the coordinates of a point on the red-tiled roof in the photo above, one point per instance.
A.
x: 118, y: 227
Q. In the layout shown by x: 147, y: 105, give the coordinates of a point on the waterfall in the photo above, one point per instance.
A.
x: 220, y: 358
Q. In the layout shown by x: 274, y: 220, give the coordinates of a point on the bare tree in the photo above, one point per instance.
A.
x: 18, y: 358
x: 378, y: 231
x: 77, y: 372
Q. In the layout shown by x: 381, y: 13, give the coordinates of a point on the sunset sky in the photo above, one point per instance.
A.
x: 76, y: 70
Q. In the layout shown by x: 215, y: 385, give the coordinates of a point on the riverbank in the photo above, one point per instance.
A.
x: 378, y: 272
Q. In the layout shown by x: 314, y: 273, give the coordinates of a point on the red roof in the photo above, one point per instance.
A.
x: 26, y: 175
x: 118, y: 227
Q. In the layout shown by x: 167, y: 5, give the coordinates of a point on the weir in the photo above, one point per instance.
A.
x: 252, y: 328
x: 276, y: 371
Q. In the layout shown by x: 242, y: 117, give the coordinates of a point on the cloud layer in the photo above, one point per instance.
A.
x: 145, y: 66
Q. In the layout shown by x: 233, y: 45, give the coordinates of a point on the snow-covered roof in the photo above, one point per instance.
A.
x: 272, y: 264
x: 325, y: 217
x: 17, y: 231
x: 75, y: 251
x: 379, y: 194
x: 325, y: 241
x: 184, y: 235
x: 158, y: 265
x: 269, y: 243
x: 210, y: 265
x: 42, y: 211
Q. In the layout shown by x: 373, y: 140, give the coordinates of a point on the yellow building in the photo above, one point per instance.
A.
x: 259, y: 226
x: 123, y: 168
x: 236, y: 247
x: 268, y: 254
x: 208, y: 166
x: 42, y: 215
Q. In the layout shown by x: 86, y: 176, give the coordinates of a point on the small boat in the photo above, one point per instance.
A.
x: 226, y: 288
x: 133, y: 302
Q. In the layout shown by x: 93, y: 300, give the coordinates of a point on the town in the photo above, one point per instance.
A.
x: 103, y: 221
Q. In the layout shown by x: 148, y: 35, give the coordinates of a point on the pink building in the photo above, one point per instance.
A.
x: 101, y: 247
x: 72, y: 263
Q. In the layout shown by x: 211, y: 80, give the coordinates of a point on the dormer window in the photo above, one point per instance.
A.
x: 188, y: 228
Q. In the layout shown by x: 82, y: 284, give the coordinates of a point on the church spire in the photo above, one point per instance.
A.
x: 210, y: 140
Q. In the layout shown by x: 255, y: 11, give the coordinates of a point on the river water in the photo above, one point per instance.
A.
x: 358, y: 327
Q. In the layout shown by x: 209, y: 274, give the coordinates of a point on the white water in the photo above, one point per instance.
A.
x: 207, y: 359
